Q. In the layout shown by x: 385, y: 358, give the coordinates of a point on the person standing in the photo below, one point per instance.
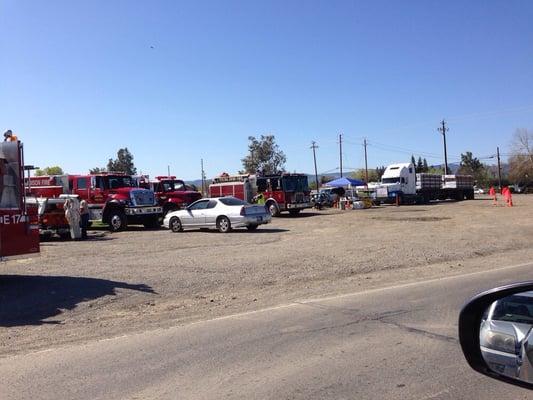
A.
x: 85, y: 216
x: 492, y: 193
x: 72, y: 214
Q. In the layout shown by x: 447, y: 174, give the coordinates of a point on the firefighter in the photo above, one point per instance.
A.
x: 85, y: 216
x: 492, y: 193
x: 261, y: 199
x: 72, y: 214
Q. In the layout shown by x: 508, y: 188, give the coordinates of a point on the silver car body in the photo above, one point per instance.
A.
x: 500, y: 340
x: 204, y: 213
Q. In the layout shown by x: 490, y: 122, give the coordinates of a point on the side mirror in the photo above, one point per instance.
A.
x: 496, y: 333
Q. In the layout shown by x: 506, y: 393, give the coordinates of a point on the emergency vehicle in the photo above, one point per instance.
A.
x: 19, y: 231
x: 281, y: 192
x: 113, y: 198
x: 172, y: 194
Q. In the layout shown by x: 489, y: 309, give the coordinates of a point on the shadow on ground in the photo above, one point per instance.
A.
x: 31, y: 299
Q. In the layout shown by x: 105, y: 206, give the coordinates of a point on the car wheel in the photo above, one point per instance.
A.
x: 224, y: 225
x: 117, y: 221
x: 252, y: 227
x: 273, y: 209
x: 175, y: 225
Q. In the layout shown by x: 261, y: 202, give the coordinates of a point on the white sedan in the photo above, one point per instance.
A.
x: 223, y: 213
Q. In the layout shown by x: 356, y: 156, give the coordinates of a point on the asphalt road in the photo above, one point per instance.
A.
x: 391, y: 343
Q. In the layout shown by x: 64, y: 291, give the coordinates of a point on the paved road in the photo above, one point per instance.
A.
x: 392, y: 343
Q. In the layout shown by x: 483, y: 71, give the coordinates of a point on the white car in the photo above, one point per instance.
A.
x: 222, y: 213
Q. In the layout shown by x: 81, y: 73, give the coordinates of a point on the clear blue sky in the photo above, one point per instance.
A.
x: 79, y: 79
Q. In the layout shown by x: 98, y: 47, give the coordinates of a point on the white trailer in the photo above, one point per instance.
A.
x: 401, y: 184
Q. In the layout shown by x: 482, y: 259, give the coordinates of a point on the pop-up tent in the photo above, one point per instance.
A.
x: 344, y: 182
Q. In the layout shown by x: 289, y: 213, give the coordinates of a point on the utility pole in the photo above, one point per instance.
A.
x: 168, y: 170
x: 366, y: 163
x: 340, y: 151
x: 203, y: 176
x: 443, y: 131
x: 499, y: 169
x: 314, y: 147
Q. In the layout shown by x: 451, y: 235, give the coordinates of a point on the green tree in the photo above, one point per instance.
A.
x: 263, y: 155
x: 413, y: 161
x: 435, y: 170
x: 379, y: 172
x: 470, y: 165
x: 425, y: 167
x: 360, y: 175
x: 419, y: 165
x: 53, y: 170
x: 123, y: 162
x: 97, y: 170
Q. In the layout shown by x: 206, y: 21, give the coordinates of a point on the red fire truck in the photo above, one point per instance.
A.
x: 282, y: 192
x: 19, y: 231
x: 113, y: 198
x: 171, y: 193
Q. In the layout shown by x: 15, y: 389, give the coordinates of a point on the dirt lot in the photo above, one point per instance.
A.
x: 116, y: 284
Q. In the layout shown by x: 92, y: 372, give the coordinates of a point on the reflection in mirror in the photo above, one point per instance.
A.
x: 505, y: 336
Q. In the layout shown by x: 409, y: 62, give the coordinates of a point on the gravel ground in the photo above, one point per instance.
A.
x: 116, y: 284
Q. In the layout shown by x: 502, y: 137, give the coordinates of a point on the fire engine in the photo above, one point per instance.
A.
x: 113, y: 198
x: 281, y: 192
x: 171, y: 193
x: 19, y: 231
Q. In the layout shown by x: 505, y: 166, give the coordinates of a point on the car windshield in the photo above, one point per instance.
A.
x: 295, y: 183
x: 390, y: 180
x: 232, y: 201
x: 115, y: 182
x: 175, y: 185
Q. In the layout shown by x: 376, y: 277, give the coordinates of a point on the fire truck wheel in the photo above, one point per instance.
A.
x: 273, y: 209
x: 175, y: 225
x: 223, y: 224
x: 117, y: 221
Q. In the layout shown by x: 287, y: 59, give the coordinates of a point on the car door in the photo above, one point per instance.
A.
x: 211, y: 213
x: 195, y: 214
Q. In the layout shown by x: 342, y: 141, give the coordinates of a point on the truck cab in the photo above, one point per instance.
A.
x: 172, y: 194
x: 19, y: 230
x: 398, y: 181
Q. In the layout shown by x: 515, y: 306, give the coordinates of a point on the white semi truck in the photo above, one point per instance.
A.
x: 400, y: 184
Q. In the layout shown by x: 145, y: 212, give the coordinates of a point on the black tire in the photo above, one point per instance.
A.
x: 294, y: 213
x: 223, y: 224
x: 273, y: 209
x: 175, y: 225
x: 117, y: 221
x: 252, y: 227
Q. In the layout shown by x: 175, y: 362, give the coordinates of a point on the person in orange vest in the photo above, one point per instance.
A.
x: 508, y: 196
x: 492, y: 193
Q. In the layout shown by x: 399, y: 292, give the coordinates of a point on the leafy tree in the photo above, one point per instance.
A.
x: 360, y: 175
x: 264, y: 155
x: 379, y: 172
x: 97, y: 170
x: 54, y: 170
x: 123, y: 162
x: 325, y: 179
x: 521, y: 159
x: 419, y: 165
x: 435, y: 170
x: 470, y: 165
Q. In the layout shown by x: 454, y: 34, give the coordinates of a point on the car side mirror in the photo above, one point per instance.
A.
x: 496, y: 333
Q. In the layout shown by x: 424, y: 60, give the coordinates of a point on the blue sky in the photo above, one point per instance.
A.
x: 78, y: 80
